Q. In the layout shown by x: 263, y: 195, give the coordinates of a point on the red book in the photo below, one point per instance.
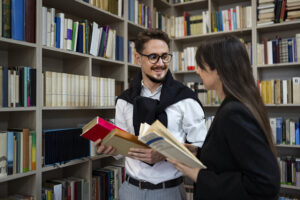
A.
x: 97, y: 128
x: 30, y: 20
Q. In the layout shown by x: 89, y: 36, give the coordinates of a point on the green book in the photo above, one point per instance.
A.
x: 6, y: 18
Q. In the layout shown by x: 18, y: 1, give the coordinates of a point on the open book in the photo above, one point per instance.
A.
x: 159, y: 138
x: 156, y: 136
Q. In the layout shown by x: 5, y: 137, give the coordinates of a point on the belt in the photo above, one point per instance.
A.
x: 151, y: 186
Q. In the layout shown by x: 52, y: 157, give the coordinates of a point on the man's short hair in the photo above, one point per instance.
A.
x: 150, y: 34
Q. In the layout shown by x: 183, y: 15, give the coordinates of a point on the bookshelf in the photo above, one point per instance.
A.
x: 45, y: 58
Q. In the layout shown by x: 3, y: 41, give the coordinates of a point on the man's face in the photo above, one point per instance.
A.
x: 154, y: 72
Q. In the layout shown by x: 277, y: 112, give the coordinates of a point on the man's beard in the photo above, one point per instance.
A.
x: 155, y: 80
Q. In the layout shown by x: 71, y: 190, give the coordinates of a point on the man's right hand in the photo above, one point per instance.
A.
x: 101, y: 149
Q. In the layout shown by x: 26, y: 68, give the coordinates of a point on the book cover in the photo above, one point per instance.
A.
x: 122, y: 141
x: 159, y: 138
x: 96, y: 129
x: 17, y: 20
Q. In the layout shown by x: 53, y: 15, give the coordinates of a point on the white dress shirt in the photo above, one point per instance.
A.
x: 185, y: 121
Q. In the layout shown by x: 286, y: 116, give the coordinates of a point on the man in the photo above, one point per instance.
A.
x: 153, y: 95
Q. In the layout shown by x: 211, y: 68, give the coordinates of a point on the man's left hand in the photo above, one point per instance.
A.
x: 149, y: 156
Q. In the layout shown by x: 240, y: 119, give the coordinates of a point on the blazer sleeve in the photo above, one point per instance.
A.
x: 257, y: 173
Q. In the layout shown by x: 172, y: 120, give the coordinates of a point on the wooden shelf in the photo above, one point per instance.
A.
x: 84, y: 10
x: 16, y: 176
x: 279, y: 65
x: 197, y: 38
x: 192, y: 5
x: 283, y: 26
x: 78, y: 108
x: 288, y: 146
x: 18, y: 109
x: 7, y: 43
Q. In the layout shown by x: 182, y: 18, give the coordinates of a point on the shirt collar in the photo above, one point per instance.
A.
x: 148, y: 92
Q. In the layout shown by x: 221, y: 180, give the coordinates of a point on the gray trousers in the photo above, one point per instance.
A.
x: 131, y: 192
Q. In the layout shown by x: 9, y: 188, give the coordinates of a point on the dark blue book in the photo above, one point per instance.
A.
x: 57, y: 22
x: 290, y: 50
x: 117, y: 47
x: 297, y: 133
x: 279, y: 130
x: 17, y: 19
x: 80, y: 39
x: 121, y: 49
x: 5, y: 87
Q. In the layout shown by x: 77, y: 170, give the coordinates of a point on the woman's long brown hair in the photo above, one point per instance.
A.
x: 229, y: 57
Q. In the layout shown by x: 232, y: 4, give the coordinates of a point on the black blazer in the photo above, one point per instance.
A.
x: 240, y: 163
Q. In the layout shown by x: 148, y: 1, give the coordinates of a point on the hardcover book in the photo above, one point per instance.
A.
x: 156, y: 136
x: 96, y: 129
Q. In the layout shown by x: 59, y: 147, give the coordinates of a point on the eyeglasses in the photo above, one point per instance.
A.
x: 154, y: 58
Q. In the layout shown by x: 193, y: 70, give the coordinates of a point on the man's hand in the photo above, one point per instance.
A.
x: 189, y: 171
x: 149, y: 156
x: 101, y: 149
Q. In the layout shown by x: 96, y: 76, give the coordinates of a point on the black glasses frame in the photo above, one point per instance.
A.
x: 148, y: 56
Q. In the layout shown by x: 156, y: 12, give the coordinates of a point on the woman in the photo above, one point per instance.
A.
x: 238, y: 151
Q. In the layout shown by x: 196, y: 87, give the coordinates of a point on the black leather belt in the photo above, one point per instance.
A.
x: 151, y: 186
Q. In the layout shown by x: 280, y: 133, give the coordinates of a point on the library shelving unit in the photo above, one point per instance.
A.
x: 44, y: 58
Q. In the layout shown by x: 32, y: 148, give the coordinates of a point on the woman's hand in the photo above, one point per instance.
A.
x: 192, y: 148
x: 188, y: 171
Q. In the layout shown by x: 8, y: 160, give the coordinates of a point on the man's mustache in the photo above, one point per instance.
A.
x: 158, y: 68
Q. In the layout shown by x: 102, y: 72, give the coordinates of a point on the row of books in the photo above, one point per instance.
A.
x: 181, y: 1
x: 17, y: 86
x: 290, y: 170
x: 206, y: 97
x: 285, y: 131
x: 140, y: 13
x: 102, y: 91
x: 106, y: 182
x: 65, y: 188
x: 18, y: 20
x: 232, y: 19
x: 279, y: 50
x: 17, y: 151
x: 286, y: 196
x: 184, y: 61
x: 63, y: 145
x: 163, y: 22
x: 62, y: 89
x: 270, y: 11
x: 189, y: 25
x: 80, y: 36
x: 280, y: 91
x: 112, y: 6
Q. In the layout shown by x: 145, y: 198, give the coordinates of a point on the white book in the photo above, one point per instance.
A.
x: 65, y: 32
x: 102, y: 92
x: 94, y: 40
x: 69, y: 93
x: 3, y: 153
x: 120, y: 4
x: 270, y: 52
x: 48, y: 28
x: 77, y: 90
x: 108, y: 50
x: 64, y: 91
x: 52, y: 28
x: 284, y: 91
x: 59, y: 89
x: 298, y: 46
x: 54, y: 88
x: 238, y: 24
x: 81, y: 90
x: 48, y: 89
x: 86, y: 91
x: 296, y: 90
x: 292, y: 133
x: 69, y: 34
x: 44, y: 25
